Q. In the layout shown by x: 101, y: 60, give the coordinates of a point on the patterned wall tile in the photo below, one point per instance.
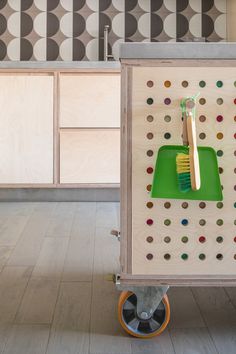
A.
x: 74, y: 29
x: 189, y: 19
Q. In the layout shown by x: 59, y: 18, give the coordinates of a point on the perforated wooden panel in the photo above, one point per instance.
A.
x: 183, y: 237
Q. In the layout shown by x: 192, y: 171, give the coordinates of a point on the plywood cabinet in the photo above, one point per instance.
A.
x: 90, y: 100
x: 59, y: 128
x: 26, y: 128
x: 231, y: 24
x: 90, y: 156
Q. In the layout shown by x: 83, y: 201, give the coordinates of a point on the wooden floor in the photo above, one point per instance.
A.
x: 56, y: 297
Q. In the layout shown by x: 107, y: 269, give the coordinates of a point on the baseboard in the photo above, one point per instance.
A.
x: 60, y: 195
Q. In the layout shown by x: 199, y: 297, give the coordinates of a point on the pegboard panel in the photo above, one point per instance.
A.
x: 183, y: 237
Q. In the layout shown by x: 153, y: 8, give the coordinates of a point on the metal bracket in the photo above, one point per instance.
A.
x: 148, y: 297
x: 115, y: 233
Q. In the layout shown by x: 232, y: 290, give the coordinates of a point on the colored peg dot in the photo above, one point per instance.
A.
x: 219, y: 118
x: 149, y: 256
x: 167, y: 135
x: 184, y: 256
x: 167, y: 256
x: 167, y: 84
x: 184, y: 222
x: 149, y: 205
x: 149, y: 170
x: 150, y: 101
x: 167, y: 205
x: 202, y: 256
x: 219, y: 256
x: 167, y: 101
x: 149, y: 239
x: 149, y: 222
x: 219, y: 84
x: 202, y: 239
x: 150, y: 83
x: 219, y: 239
x: 167, y: 222
x: 202, y: 83
x: 184, y: 239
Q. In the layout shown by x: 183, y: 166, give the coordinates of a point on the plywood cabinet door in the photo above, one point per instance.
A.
x: 231, y: 25
x: 90, y: 100
x: 26, y: 129
x: 90, y: 156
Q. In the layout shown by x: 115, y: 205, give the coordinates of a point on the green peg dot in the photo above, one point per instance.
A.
x: 184, y: 256
x: 150, y: 101
x: 202, y: 83
x: 184, y: 239
x: 219, y: 84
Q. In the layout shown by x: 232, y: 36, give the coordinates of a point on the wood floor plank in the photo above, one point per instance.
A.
x: 5, y: 252
x: 158, y: 345
x: 79, y: 258
x: 51, y: 258
x: 215, y: 306
x: 61, y: 221
x: 224, y: 338
x: 184, y: 310
x: 11, y: 228
x: 17, y: 209
x: 27, y: 339
x: 220, y: 317
x: 192, y: 341
x: 28, y: 247
x: 231, y: 292
x: 4, y: 334
x: 70, y: 329
x: 39, y: 301
x: 107, y: 215
x: 13, y: 281
x: 107, y: 336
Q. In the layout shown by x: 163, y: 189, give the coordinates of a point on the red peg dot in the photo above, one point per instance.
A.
x: 235, y: 101
x: 235, y: 239
x: 234, y: 135
x: 219, y: 118
x: 149, y: 222
x: 149, y: 170
x: 202, y: 239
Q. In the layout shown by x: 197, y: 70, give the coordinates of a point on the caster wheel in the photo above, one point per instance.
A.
x: 136, y: 326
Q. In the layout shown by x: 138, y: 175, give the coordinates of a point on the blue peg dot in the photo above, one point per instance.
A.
x: 184, y: 222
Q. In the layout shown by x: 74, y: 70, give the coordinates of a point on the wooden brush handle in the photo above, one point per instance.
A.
x: 193, y: 153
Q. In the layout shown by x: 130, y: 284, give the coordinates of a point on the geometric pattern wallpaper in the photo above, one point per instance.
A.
x: 73, y: 29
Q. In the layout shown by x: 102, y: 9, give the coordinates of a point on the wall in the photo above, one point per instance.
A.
x: 73, y: 29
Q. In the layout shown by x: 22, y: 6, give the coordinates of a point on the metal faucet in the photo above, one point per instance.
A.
x: 106, y: 56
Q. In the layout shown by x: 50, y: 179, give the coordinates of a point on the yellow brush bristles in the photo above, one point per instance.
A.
x: 182, y: 163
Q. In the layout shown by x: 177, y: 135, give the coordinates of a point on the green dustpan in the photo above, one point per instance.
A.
x: 165, y: 183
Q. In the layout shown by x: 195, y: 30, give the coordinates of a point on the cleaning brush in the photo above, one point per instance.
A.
x: 188, y: 164
x: 183, y: 172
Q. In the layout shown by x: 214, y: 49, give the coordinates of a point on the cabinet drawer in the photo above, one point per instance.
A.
x: 90, y: 100
x: 90, y: 156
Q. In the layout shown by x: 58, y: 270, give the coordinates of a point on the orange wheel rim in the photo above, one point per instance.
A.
x: 122, y: 299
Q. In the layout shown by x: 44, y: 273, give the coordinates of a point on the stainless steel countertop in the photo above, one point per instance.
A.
x: 171, y: 50
x: 55, y: 65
